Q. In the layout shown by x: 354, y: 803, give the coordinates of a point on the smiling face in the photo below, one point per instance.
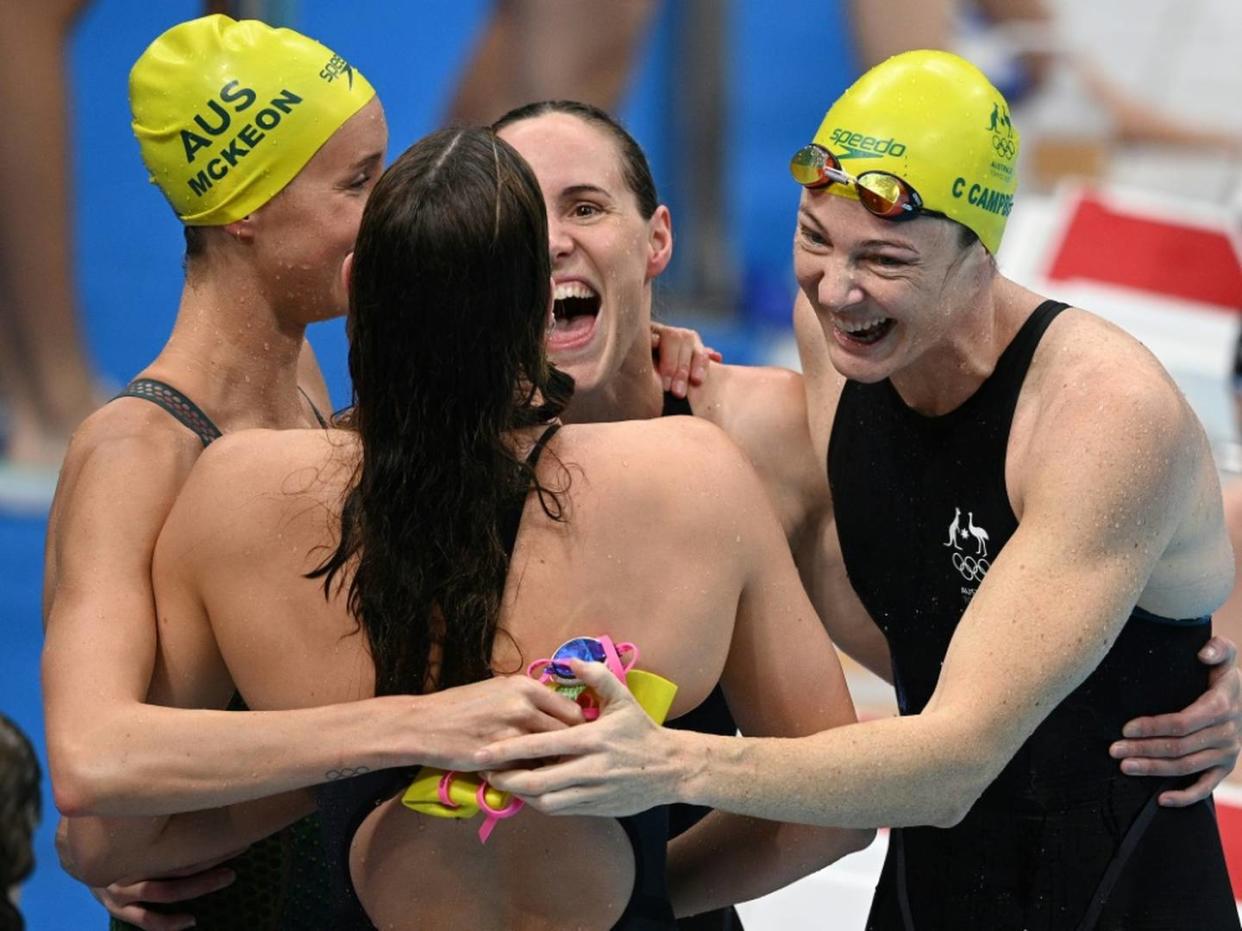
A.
x: 604, y: 252
x: 886, y: 294
x: 303, y: 234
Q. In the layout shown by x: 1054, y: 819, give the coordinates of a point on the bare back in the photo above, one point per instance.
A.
x: 669, y: 543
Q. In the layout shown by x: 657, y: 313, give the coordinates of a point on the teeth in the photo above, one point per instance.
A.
x: 573, y: 289
x: 860, y: 326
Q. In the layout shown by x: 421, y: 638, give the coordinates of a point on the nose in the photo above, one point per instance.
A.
x: 560, y: 243
x: 837, y: 288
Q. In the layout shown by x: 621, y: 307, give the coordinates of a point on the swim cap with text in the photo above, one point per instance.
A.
x: 934, y: 120
x: 227, y: 113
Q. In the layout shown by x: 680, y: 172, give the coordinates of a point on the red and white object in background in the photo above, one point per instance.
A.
x: 1163, y: 268
x: 1157, y: 250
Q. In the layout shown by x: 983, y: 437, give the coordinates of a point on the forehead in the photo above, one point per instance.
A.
x: 362, y: 135
x: 565, y: 151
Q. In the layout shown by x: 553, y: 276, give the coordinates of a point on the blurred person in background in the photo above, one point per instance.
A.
x: 545, y: 49
x: 47, y: 386
x: 1075, y: 111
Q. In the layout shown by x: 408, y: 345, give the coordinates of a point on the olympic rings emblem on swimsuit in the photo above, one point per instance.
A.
x: 972, y: 570
x: 1004, y: 147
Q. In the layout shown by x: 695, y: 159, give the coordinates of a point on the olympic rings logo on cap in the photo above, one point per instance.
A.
x: 1004, y: 147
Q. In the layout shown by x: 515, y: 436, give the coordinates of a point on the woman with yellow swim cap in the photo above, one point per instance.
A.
x: 266, y: 144
x: 1030, y: 513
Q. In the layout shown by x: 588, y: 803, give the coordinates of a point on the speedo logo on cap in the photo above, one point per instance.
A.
x: 335, y: 67
x: 850, y: 144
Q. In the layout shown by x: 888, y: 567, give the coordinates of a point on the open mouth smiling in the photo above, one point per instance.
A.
x: 575, y: 309
x: 864, y: 332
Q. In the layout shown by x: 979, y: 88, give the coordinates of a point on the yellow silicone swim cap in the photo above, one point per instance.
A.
x: 934, y: 120
x: 227, y: 113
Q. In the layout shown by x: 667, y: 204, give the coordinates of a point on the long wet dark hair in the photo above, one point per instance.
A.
x: 448, y: 317
x: 20, y: 812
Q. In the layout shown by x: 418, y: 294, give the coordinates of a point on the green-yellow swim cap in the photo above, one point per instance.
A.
x: 934, y: 120
x: 227, y: 113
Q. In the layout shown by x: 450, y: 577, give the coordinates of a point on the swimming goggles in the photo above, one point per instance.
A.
x: 883, y: 194
x: 462, y: 795
x: 557, y: 673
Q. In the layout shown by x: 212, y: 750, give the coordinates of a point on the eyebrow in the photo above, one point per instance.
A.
x: 576, y: 190
x: 366, y: 160
x: 889, y: 243
x: 805, y: 214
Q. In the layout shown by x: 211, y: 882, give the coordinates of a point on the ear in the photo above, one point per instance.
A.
x: 659, y: 241
x: 347, y: 272
x: 242, y: 230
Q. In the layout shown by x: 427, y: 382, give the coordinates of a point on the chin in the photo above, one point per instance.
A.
x: 861, y: 369
x: 587, y: 375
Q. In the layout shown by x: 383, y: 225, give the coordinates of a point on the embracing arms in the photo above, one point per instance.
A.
x: 1000, y: 677
x: 135, y: 758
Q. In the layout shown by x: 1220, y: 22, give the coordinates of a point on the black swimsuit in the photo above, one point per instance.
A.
x: 281, y: 880
x: 345, y: 804
x: 186, y: 411
x: 1062, y: 839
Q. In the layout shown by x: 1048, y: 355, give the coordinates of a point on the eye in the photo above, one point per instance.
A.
x: 811, y: 236
x: 585, y: 210
x: 888, y: 261
x: 359, y: 182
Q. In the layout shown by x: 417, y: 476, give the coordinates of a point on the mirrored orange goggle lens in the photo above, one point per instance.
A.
x: 883, y: 195
x: 808, y: 164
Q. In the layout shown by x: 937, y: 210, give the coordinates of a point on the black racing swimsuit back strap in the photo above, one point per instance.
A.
x: 511, y: 519
x: 182, y: 408
x: 323, y: 422
x: 675, y: 406
x: 1134, y: 833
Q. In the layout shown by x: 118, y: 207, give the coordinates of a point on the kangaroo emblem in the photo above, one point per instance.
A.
x: 954, y: 528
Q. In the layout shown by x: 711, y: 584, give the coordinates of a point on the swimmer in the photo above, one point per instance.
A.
x: 461, y: 533
x: 600, y: 196
x: 610, y: 238
x: 268, y: 168
x: 1028, y: 509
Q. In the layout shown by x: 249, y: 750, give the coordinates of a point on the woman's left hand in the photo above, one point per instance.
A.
x: 1203, y: 738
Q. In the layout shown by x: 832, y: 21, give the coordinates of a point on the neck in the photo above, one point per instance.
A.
x: 634, y: 392
x: 946, y: 375
x: 233, y: 354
